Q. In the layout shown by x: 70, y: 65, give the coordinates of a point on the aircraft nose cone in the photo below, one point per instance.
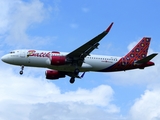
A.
x: 4, y: 58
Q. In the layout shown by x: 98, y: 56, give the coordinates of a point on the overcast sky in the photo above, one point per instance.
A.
x: 63, y: 26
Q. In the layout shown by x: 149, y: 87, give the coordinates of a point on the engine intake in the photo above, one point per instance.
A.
x: 54, y: 74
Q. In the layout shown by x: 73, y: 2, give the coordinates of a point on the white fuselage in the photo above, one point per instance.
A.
x: 42, y: 59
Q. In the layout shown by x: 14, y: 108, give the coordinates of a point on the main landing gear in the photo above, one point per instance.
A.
x: 76, y: 72
x: 72, y: 80
x: 22, y: 68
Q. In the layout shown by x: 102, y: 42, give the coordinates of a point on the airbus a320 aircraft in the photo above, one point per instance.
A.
x: 80, y: 60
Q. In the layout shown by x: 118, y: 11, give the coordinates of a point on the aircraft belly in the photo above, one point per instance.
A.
x: 32, y: 62
x: 41, y: 62
x: 70, y: 68
x: 85, y: 67
x: 18, y: 61
x: 98, y: 65
x: 88, y: 65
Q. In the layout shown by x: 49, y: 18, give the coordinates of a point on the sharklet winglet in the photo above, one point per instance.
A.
x: 108, y: 29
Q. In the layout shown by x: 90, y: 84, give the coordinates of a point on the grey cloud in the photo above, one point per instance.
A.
x: 27, y: 97
x: 70, y: 111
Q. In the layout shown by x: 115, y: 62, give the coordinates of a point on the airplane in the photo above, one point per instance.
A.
x: 61, y: 64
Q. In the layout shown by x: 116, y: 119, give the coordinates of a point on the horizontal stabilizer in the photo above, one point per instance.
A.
x: 146, y: 59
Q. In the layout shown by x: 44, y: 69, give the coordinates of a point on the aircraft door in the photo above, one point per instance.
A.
x: 22, y: 54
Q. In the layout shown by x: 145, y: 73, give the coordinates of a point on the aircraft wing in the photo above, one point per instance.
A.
x: 84, y: 50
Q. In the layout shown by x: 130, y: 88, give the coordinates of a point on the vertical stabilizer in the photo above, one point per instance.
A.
x: 140, y: 50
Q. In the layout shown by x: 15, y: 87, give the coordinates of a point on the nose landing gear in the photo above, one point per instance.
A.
x: 22, y: 68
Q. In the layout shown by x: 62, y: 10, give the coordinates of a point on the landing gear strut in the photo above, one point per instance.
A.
x: 72, y: 80
x: 22, y: 68
x: 76, y: 71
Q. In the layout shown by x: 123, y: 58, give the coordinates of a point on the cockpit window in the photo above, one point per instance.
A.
x: 12, y: 52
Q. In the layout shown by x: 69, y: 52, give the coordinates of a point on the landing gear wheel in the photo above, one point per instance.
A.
x: 72, y: 80
x: 21, y: 72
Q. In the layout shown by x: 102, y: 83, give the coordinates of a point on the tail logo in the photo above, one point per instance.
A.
x: 137, y: 53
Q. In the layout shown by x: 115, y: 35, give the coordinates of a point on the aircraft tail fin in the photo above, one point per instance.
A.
x: 139, y: 51
x: 146, y: 59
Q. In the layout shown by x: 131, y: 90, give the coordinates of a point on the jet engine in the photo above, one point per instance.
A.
x: 58, y: 60
x: 54, y: 74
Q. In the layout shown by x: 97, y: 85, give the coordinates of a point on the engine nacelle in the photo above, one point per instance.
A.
x: 54, y: 74
x: 58, y: 60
